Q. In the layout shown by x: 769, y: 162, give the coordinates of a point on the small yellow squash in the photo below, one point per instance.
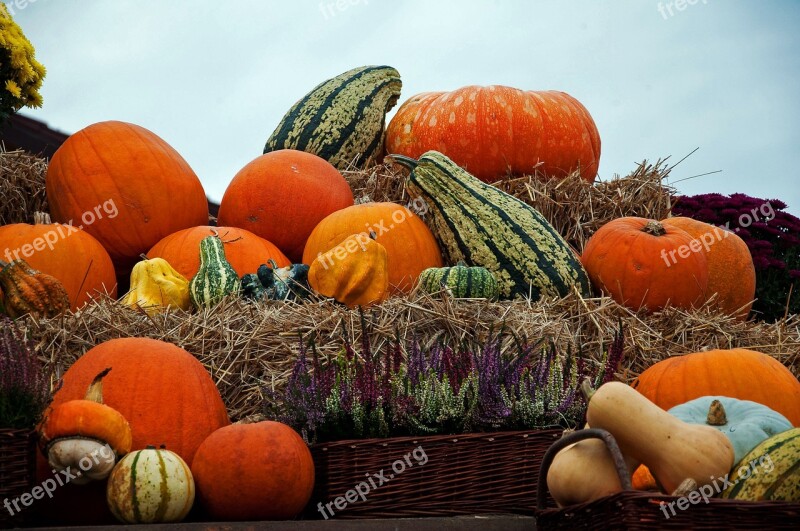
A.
x: 156, y: 286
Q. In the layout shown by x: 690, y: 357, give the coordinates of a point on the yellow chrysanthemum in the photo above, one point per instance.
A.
x: 13, y: 88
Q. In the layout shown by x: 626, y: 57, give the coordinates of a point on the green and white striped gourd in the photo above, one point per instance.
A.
x: 770, y: 472
x: 216, y: 277
x: 479, y: 224
x: 461, y: 281
x: 343, y: 119
x: 150, y: 486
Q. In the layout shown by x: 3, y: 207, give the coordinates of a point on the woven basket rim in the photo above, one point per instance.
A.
x: 378, y: 441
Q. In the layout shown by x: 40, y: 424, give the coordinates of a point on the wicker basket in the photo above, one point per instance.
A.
x: 17, y: 468
x: 639, y: 510
x: 475, y: 473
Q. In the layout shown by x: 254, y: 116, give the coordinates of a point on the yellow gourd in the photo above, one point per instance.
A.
x: 673, y: 450
x: 355, y: 272
x: 156, y: 286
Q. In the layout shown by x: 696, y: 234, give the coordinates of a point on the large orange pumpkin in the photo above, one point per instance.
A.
x: 493, y: 131
x: 126, y: 187
x: 244, y: 250
x: 631, y: 259
x: 261, y: 471
x: 71, y: 255
x: 409, y: 243
x: 282, y: 195
x: 731, y: 273
x: 737, y: 373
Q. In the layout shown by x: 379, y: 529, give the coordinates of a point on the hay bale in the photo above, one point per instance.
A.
x: 22, y: 177
x: 250, y: 346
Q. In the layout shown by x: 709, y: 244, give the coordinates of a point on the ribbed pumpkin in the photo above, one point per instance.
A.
x: 342, y: 119
x: 731, y: 273
x: 126, y: 186
x: 261, y: 471
x: 215, y: 278
x: 71, y: 255
x: 461, y: 281
x: 493, y: 131
x: 355, y: 272
x: 148, y: 486
x: 164, y: 392
x: 281, y: 196
x: 736, y: 373
x: 630, y: 259
x: 770, y: 472
x: 244, y: 250
x: 483, y: 226
x: 28, y: 291
x: 410, y: 245
x: 156, y: 286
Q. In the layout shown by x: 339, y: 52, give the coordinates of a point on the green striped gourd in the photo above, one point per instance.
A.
x: 150, y: 486
x: 461, y: 281
x: 771, y: 471
x: 343, y: 118
x: 479, y: 224
x: 216, y: 277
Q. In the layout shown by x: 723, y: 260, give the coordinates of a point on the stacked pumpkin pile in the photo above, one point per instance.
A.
x: 289, y: 230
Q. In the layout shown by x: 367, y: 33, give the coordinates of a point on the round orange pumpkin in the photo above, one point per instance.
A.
x: 244, y: 250
x: 493, y: 131
x: 736, y: 373
x: 647, y: 264
x: 72, y: 256
x: 261, y: 471
x: 409, y: 243
x: 126, y: 187
x: 731, y: 273
x: 282, y: 195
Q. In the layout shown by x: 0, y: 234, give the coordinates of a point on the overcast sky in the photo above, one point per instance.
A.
x: 213, y: 77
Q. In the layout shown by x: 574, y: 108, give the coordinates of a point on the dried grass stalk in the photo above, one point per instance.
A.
x: 22, y: 177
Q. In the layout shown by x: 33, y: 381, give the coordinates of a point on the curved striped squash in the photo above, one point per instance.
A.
x: 150, y: 486
x: 343, y: 119
x: 461, y: 281
x: 216, y: 276
x: 771, y: 471
x: 479, y: 224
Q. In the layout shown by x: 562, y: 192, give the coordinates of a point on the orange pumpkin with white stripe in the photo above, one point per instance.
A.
x: 150, y: 486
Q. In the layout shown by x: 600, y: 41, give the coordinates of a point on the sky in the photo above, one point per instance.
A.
x: 213, y: 78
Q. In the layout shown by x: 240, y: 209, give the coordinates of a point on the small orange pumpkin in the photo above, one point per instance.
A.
x: 646, y: 264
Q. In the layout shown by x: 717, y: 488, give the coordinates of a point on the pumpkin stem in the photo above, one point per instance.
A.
x: 41, y: 218
x: 687, y: 485
x: 586, y: 389
x: 406, y: 162
x: 272, y: 264
x: 716, y: 414
x: 95, y: 391
x: 654, y: 228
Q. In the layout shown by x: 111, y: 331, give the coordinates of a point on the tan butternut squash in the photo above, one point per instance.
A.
x: 673, y: 450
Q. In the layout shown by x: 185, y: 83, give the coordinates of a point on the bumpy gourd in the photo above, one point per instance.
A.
x: 216, y: 278
x: 156, y: 286
x: 355, y: 272
x: 342, y: 119
x: 28, y: 291
x: 481, y: 225
x: 770, y: 472
x: 460, y: 281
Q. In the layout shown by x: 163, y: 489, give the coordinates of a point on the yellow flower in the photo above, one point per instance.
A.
x: 13, y: 88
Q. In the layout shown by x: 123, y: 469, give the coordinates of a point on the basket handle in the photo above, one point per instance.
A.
x: 572, y: 438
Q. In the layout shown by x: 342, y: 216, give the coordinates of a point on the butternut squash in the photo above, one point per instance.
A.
x: 673, y: 450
